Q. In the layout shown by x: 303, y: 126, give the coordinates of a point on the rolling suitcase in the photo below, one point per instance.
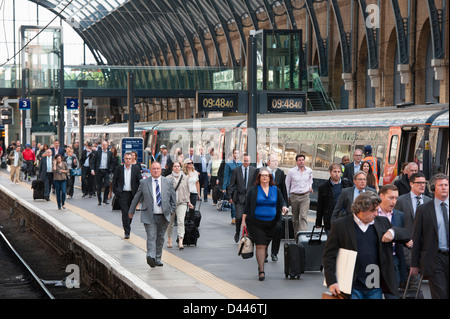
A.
x: 288, y: 219
x: 197, y: 214
x: 294, y: 257
x: 314, y: 243
x: 38, y: 189
x: 191, y: 233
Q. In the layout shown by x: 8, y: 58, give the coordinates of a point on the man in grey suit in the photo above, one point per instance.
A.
x: 431, y: 239
x: 159, y: 202
x: 408, y: 203
x: 242, y: 179
x: 348, y: 195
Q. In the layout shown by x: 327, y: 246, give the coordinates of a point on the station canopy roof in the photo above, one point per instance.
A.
x: 134, y: 32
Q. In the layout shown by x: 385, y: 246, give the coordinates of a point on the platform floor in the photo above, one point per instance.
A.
x: 211, y: 270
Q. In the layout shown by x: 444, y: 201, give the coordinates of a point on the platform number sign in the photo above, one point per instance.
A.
x: 24, y: 104
x: 72, y: 104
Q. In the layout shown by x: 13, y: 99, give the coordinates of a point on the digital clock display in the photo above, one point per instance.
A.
x: 286, y: 102
x: 217, y: 102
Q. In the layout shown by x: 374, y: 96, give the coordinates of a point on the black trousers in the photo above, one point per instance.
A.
x: 439, y: 279
x: 87, y: 181
x: 102, y: 178
x: 124, y: 199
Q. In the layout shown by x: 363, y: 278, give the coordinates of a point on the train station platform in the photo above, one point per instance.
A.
x: 210, y: 270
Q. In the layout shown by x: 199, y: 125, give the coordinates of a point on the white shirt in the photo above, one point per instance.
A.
x: 49, y: 164
x: 156, y: 208
x: 16, y: 158
x: 86, y: 162
x: 127, y: 179
x: 299, y: 182
x: 104, y: 160
x: 361, y: 225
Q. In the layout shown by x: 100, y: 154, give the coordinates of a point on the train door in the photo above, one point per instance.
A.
x: 441, y: 159
x: 407, y: 145
x: 391, y: 162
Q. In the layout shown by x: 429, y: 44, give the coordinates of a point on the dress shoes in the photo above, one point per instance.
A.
x: 151, y: 262
x: 274, y: 257
x: 106, y: 202
x: 127, y: 236
x: 158, y: 263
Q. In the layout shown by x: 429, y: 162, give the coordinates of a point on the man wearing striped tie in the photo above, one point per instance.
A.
x: 159, y: 202
x: 408, y: 203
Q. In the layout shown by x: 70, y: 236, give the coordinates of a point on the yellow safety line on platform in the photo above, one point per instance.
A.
x: 205, y: 277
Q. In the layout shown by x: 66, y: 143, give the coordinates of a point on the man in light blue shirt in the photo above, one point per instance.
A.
x: 229, y: 167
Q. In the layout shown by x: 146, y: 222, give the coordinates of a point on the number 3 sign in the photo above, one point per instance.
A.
x: 24, y: 104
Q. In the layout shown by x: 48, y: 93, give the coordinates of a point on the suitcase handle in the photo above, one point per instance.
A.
x: 407, y: 285
x: 286, y: 229
x: 316, y: 241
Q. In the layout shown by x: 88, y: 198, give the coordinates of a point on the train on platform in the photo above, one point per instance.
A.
x: 397, y: 135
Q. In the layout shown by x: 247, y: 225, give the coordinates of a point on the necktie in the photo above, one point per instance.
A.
x: 444, y: 214
x: 245, y: 177
x: 418, y: 201
x: 158, y: 194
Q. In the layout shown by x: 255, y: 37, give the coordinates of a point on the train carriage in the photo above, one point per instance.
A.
x: 397, y: 135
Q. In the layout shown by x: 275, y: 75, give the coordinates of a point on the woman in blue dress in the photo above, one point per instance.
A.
x: 263, y: 208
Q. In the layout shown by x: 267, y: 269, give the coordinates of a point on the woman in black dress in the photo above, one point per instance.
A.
x: 262, y: 212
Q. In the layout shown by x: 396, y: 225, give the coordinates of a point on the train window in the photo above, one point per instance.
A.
x: 342, y: 150
x: 323, y: 155
x: 393, y: 149
x: 307, y: 149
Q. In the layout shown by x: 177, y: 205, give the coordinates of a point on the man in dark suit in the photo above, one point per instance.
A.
x: 431, y: 239
x: 353, y: 167
x: 46, y: 172
x: 242, y: 179
x: 87, y: 179
x: 201, y: 166
x: 389, y: 196
x: 279, y: 177
x: 125, y: 185
x: 57, y: 149
x: 101, y: 167
x: 408, y: 204
x: 403, y: 184
x: 165, y: 160
x: 327, y: 196
x: 371, y: 237
x: 348, y: 195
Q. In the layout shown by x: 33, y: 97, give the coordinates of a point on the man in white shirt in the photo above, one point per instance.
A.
x: 125, y: 185
x: 299, y: 182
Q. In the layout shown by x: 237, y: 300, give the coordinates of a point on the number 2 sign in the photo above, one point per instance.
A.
x: 72, y: 104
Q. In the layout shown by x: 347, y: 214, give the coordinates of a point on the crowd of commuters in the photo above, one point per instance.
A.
x: 402, y: 227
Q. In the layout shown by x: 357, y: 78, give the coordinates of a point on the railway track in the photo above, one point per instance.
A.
x: 17, y: 279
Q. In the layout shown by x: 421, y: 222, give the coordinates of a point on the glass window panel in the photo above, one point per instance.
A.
x: 342, y: 150
x: 307, y: 149
x: 290, y: 152
x: 393, y: 150
x: 323, y: 155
